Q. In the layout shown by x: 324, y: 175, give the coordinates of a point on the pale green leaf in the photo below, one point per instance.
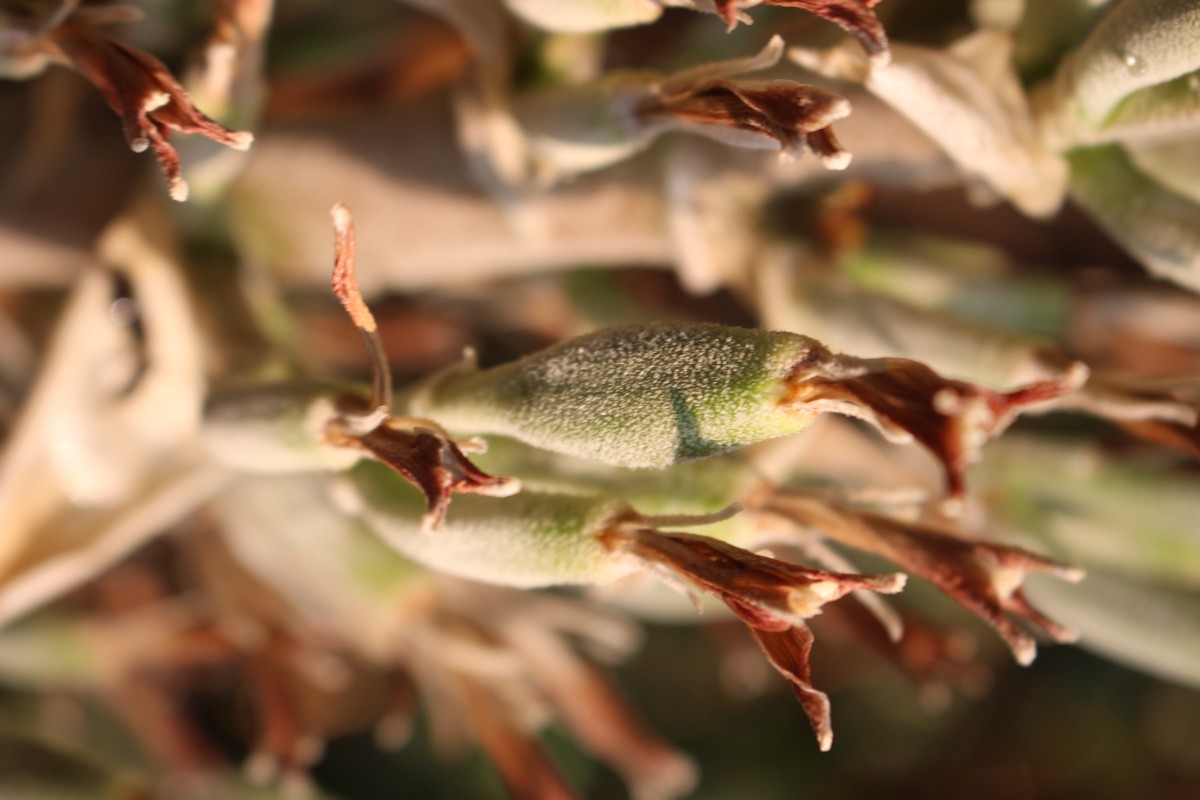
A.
x: 1134, y: 45
x: 1145, y: 626
x: 967, y: 99
x: 1158, y: 227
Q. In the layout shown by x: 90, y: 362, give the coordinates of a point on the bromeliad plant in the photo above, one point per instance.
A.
x: 473, y: 538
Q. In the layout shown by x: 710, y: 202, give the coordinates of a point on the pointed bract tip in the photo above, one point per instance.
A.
x: 837, y: 161
x: 1067, y: 635
x: 341, y: 216
x: 773, y: 49
x: 1070, y: 573
x: 154, y: 101
x: 505, y: 486
x: 825, y: 741
x: 1024, y: 651
x: 179, y: 190
x: 431, y: 521
x: 241, y: 140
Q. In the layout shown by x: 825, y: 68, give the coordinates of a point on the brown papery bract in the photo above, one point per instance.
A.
x: 856, y: 17
x: 904, y: 398
x: 417, y: 449
x: 142, y: 92
x: 794, y: 115
x: 982, y: 577
x: 771, y: 596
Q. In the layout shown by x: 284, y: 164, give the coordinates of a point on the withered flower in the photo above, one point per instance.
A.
x: 787, y: 651
x: 982, y: 577
x: 429, y: 459
x: 904, y: 398
x: 136, y: 85
x: 772, y: 597
x: 582, y: 127
x: 856, y: 17
x: 794, y: 117
x: 418, y: 449
x: 752, y: 113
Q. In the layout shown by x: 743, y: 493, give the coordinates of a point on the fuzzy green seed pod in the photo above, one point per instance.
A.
x: 697, y: 488
x: 638, y: 396
x: 661, y: 394
x: 528, y: 540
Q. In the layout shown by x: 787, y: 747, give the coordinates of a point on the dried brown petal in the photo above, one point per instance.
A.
x: 417, y: 449
x: 788, y: 652
x: 794, y: 115
x: 143, y: 93
x: 856, y: 17
x: 771, y: 596
x: 983, y: 578
x: 765, y: 592
x: 428, y: 459
x: 952, y: 419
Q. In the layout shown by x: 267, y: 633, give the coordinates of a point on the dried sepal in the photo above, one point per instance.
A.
x: 417, y: 449
x: 427, y: 458
x: 578, y: 128
x: 788, y: 651
x: 982, y: 577
x: 772, y: 597
x: 794, y: 117
x: 856, y: 17
x: 764, y: 592
x: 137, y: 86
x: 608, y: 726
x: 903, y: 398
x: 542, y: 634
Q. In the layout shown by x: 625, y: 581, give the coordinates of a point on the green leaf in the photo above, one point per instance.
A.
x: 1136, y: 44
x: 1157, y: 226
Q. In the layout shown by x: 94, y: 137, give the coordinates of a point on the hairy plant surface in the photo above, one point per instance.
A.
x: 653, y: 362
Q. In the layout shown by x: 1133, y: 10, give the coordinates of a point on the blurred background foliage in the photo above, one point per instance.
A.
x: 355, y: 106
